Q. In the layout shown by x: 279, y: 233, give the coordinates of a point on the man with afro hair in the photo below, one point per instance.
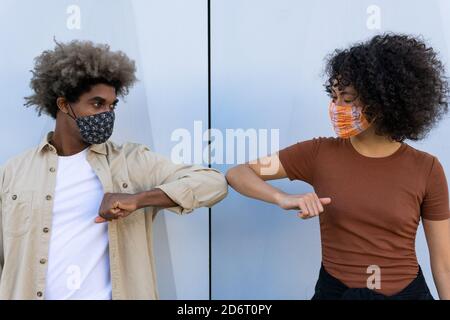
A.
x: 77, y: 210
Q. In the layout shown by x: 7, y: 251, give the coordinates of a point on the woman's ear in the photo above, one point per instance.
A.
x: 369, y: 117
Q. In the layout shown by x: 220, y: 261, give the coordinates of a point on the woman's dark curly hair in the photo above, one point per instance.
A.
x: 71, y: 69
x: 400, y: 81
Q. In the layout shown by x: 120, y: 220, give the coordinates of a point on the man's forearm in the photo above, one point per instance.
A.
x: 154, y: 198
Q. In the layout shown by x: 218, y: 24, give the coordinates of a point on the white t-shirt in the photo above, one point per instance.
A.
x: 78, y: 262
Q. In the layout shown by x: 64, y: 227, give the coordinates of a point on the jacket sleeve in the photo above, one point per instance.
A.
x: 190, y: 186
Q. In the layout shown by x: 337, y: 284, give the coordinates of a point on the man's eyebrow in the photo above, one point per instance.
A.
x: 100, y: 99
x: 97, y: 99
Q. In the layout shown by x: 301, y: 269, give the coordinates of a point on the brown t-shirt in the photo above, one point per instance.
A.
x: 376, y: 205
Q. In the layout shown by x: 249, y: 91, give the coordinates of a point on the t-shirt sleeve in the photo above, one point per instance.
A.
x: 299, y: 160
x: 435, y: 205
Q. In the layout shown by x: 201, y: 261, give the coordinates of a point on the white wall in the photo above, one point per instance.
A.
x: 267, y: 59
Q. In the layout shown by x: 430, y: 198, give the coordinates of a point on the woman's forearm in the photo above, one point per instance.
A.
x: 442, y: 282
x: 438, y: 238
x: 245, y: 181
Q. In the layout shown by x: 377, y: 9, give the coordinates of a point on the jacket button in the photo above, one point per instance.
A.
x: 43, y: 261
x: 45, y: 230
x: 39, y: 294
x: 125, y: 185
x: 48, y: 197
x: 14, y: 197
x: 52, y: 169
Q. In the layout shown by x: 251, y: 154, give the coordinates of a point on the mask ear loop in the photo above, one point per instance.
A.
x: 74, y: 118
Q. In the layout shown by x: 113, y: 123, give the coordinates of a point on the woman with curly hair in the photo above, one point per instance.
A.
x: 370, y: 187
x: 56, y: 197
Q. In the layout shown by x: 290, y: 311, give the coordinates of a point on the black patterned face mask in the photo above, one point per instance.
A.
x: 97, y: 128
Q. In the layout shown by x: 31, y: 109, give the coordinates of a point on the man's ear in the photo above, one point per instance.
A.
x: 62, y: 105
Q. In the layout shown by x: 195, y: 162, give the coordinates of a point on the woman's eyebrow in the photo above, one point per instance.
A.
x: 343, y: 92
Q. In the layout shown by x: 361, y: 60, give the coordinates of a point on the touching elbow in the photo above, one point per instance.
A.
x: 222, y: 184
x: 229, y: 175
x: 235, y: 173
x: 232, y: 174
x: 218, y: 188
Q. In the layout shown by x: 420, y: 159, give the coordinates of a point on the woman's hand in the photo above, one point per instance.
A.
x: 309, y: 204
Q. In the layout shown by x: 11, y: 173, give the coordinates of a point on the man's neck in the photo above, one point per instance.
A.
x: 67, y: 144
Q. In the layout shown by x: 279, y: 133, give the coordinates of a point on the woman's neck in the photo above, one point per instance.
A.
x: 369, y: 144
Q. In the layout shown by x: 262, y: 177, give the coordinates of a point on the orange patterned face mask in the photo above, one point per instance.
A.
x: 347, y: 120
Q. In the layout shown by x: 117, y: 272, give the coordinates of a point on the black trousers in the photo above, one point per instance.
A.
x: 330, y: 288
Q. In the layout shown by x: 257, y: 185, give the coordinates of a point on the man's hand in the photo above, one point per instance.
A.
x: 309, y: 204
x: 117, y: 205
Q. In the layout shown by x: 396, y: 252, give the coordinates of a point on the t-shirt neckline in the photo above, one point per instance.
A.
x: 80, y: 154
x: 394, y: 155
